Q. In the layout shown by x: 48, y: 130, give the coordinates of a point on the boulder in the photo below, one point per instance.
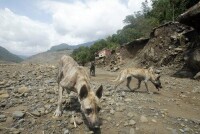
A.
x: 193, y: 14
x: 197, y: 76
x: 194, y: 60
x: 18, y: 114
x: 184, y: 74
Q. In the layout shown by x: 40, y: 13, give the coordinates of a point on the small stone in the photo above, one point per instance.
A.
x: 4, y: 94
x: 112, y: 111
x: 36, y: 113
x: 186, y: 129
x: 78, y: 120
x: 108, y: 118
x: 120, y: 108
x: 49, y: 81
x: 39, y: 77
x: 107, y: 93
x: 132, y: 122
x: 23, y: 89
x: 3, y: 82
x: 47, y: 106
x: 130, y: 115
x: 123, y: 94
x: 126, y: 124
x: 21, y: 121
x: 2, y: 118
x: 117, y: 124
x: 18, y: 115
x: 66, y: 131
x: 3, y: 104
x: 196, y: 90
x: 41, y: 110
x: 143, y: 119
x: 153, y: 120
x: 127, y: 100
x: 183, y: 96
x: 108, y: 86
x: 52, y: 100
x: 71, y: 120
x: 132, y: 131
x: 91, y: 132
x: 181, y: 130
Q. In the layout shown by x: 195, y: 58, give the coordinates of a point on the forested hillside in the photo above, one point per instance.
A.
x: 137, y: 25
x: 6, y: 56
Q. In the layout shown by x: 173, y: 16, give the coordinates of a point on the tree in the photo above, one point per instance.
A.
x: 145, y: 8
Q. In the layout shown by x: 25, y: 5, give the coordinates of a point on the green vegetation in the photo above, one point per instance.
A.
x: 137, y: 25
x: 5, y: 55
x: 86, y: 54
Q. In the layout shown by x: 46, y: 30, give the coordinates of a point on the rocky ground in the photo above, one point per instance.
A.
x: 28, y: 97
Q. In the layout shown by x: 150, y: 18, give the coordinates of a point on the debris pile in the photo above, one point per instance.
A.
x: 172, y: 44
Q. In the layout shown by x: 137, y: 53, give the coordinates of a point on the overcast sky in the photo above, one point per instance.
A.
x: 28, y: 27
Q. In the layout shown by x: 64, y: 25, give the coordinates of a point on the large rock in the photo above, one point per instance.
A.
x: 197, y: 76
x: 18, y: 115
x: 194, y: 60
x: 184, y: 74
x: 193, y: 14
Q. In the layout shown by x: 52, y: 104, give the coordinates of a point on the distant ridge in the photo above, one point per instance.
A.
x: 7, y: 56
x: 23, y: 56
x: 60, y: 47
x: 53, y: 55
x: 65, y: 46
x: 49, y: 57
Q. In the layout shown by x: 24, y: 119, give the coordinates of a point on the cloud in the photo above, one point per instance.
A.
x: 90, y: 20
x: 72, y: 22
x: 134, y: 5
x: 20, y: 34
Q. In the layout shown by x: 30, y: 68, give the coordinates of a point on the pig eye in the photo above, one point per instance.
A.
x: 88, y: 111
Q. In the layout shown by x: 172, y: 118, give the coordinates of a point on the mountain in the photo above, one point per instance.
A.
x: 23, y: 56
x: 53, y: 55
x: 59, y: 47
x: 49, y: 57
x: 65, y: 46
x: 87, y: 44
x: 7, y: 56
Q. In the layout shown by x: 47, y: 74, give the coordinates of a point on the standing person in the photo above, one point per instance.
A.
x: 92, y: 69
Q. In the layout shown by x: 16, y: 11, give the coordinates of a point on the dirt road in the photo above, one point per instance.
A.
x: 174, y: 109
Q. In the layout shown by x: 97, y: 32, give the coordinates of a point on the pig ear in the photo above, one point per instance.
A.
x: 83, y: 92
x: 99, y: 92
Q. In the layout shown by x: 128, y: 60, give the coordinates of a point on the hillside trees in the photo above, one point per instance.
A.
x: 86, y: 54
x: 168, y: 10
x: 137, y: 25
